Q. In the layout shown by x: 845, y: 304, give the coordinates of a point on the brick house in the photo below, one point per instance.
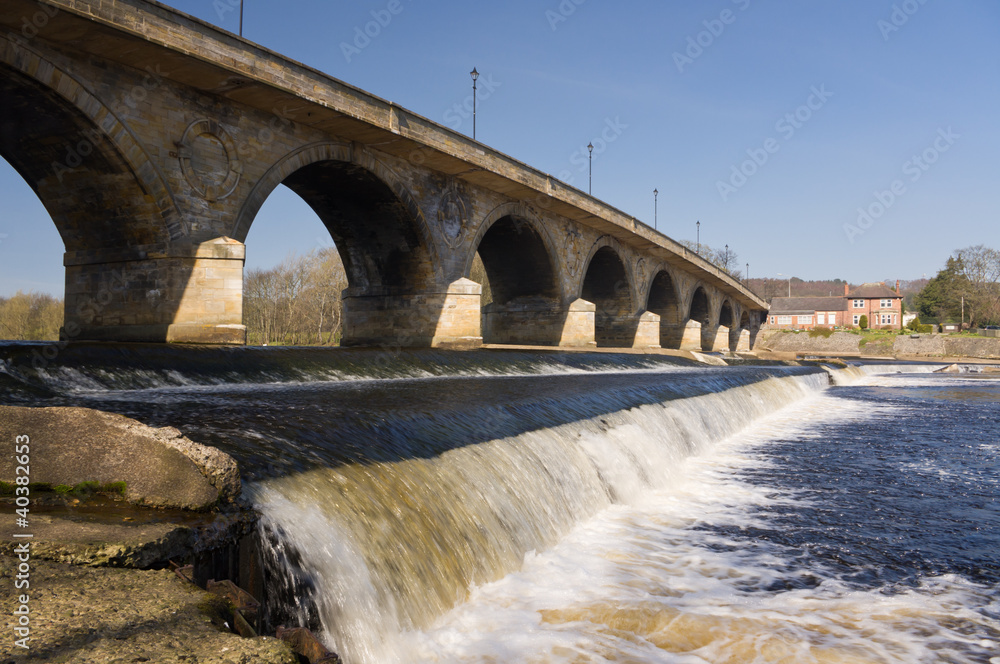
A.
x: 882, y: 305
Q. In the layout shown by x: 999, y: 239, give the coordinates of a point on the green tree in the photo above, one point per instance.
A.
x: 941, y: 298
x: 863, y: 322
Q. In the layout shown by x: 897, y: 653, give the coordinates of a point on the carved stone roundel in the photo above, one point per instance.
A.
x: 208, y: 160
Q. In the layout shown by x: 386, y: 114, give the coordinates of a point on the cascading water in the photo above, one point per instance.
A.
x: 391, y: 546
x: 553, y: 507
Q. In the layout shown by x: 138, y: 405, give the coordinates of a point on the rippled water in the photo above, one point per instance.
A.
x: 516, y: 507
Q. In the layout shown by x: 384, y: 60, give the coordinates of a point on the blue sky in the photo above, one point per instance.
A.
x: 771, y: 123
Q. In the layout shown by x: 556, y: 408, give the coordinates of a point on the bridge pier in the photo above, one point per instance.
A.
x: 691, y: 336
x: 538, y: 321
x: 176, y: 294
x: 709, y: 337
x: 722, y: 341
x: 647, y: 333
x: 446, y: 318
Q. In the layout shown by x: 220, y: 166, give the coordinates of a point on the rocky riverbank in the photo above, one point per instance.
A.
x: 112, y: 502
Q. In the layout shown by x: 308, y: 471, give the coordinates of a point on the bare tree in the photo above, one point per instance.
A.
x: 31, y: 317
x: 980, y: 265
x: 296, y: 302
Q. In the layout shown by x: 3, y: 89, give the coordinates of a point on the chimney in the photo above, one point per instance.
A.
x: 897, y: 286
x: 846, y: 287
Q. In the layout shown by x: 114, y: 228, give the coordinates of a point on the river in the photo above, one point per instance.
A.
x: 504, y: 506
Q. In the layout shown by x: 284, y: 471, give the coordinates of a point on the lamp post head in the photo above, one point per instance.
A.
x: 590, y: 147
x: 655, y: 193
x: 474, y: 74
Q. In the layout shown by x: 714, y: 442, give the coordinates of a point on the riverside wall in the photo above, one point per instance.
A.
x: 848, y: 344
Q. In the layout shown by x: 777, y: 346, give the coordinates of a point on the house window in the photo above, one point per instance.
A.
x: 885, y: 304
x: 821, y: 319
x: 859, y: 304
x: 805, y: 320
x: 784, y: 320
x: 857, y: 319
x: 888, y: 319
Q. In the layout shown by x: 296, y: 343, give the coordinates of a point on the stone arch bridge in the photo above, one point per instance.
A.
x: 153, y: 139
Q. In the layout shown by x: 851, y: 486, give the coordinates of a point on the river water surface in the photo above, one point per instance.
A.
x: 551, y: 507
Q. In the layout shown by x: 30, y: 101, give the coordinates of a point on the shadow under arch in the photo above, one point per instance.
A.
x: 726, y: 320
x: 608, y: 286
x: 516, y: 254
x: 698, y: 321
x: 373, y: 220
x: 53, y: 128
x: 387, y: 250
x: 109, y: 202
x: 663, y: 301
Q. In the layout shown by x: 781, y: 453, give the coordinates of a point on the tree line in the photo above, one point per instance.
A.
x: 30, y: 317
x: 298, y: 302
x: 966, y: 290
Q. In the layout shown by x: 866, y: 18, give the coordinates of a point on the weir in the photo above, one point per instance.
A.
x: 394, y: 486
x: 386, y: 548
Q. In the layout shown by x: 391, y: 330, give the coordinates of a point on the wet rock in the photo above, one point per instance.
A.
x: 159, y: 466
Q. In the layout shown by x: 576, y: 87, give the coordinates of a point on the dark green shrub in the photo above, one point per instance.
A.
x: 863, y: 322
x: 824, y: 332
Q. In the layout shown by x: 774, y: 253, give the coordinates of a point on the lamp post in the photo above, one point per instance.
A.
x: 747, y: 277
x: 241, y: 18
x: 590, y: 181
x: 727, y: 258
x: 789, y: 284
x: 655, y: 193
x: 698, y: 224
x: 475, y: 75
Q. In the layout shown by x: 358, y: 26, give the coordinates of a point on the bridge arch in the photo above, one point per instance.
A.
x: 662, y: 299
x: 517, y: 253
x: 699, y: 330
x: 130, y: 262
x: 522, y: 282
x: 607, y: 283
x: 59, y: 136
x: 373, y: 219
x: 742, y: 329
x: 726, y: 316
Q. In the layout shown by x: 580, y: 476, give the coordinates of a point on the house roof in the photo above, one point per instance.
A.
x: 872, y: 291
x: 807, y: 305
